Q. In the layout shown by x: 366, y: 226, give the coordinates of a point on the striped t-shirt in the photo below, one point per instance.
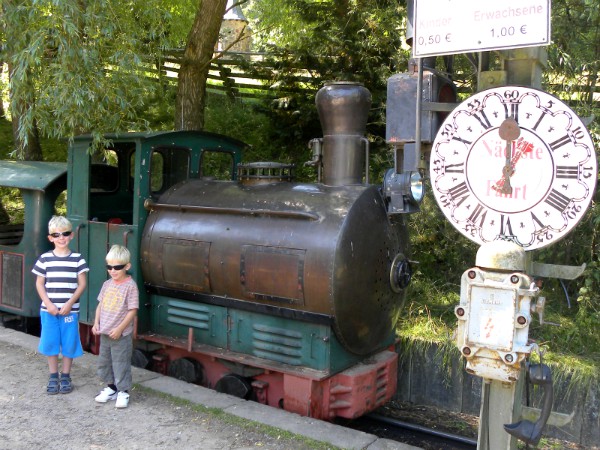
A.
x: 61, y: 274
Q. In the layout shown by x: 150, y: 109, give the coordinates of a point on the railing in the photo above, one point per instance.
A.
x: 229, y: 75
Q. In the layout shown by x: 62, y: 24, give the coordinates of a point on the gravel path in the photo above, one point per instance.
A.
x: 31, y: 419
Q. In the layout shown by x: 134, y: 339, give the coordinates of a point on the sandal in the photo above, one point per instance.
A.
x: 65, y: 384
x: 52, y: 387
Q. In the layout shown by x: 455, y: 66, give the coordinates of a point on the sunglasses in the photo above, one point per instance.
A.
x: 117, y: 267
x: 64, y: 233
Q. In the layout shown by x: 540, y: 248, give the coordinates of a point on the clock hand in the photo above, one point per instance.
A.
x: 522, y: 147
x: 508, y: 131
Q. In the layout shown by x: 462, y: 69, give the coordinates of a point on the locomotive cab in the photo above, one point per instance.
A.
x: 107, y: 191
x: 35, y: 187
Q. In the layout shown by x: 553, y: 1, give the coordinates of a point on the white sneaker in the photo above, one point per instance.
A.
x: 122, y: 400
x: 106, y: 395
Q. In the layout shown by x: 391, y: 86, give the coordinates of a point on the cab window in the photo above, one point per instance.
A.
x: 218, y: 165
x: 168, y: 166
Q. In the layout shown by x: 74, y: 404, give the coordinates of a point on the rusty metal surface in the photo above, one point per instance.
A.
x: 326, y: 250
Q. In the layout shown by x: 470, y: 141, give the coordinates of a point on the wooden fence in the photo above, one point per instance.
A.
x: 228, y: 75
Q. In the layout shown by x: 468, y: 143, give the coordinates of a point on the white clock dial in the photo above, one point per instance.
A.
x: 513, y: 163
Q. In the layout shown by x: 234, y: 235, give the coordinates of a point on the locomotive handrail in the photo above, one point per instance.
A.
x: 77, y: 232
x: 150, y: 205
x: 366, y: 142
x: 125, y: 239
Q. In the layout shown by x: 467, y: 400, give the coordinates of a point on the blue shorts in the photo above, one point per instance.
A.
x: 60, y: 334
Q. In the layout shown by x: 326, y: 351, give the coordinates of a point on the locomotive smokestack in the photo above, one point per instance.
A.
x: 343, y: 110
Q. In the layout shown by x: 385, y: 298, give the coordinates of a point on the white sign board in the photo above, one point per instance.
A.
x: 460, y: 26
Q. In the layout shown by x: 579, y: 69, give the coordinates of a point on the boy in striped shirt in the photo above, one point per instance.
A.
x: 60, y: 281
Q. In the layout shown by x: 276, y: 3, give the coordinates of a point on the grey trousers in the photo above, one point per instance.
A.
x: 114, y: 361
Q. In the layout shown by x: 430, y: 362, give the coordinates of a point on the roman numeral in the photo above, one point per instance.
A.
x: 483, y: 120
x: 505, y: 227
x: 512, y: 110
x: 560, y: 142
x: 455, y: 168
x: 477, y: 215
x: 538, y: 221
x: 459, y: 139
x: 557, y: 200
x: 567, y: 172
x: 539, y: 121
x: 459, y: 192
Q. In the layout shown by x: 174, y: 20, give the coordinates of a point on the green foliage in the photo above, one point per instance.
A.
x: 429, y: 312
x: 327, y: 41
x: 442, y: 252
x: 241, y: 121
x: 79, y: 67
x: 11, y: 203
x: 6, y: 138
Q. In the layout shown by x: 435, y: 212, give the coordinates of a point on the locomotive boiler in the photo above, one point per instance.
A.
x: 303, y: 279
x: 318, y: 253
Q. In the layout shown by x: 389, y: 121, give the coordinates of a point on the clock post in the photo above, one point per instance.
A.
x: 511, y: 166
x: 496, y: 303
x: 515, y: 165
x: 513, y: 169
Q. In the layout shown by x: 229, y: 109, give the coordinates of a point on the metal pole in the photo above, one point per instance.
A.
x: 419, y: 109
x: 501, y: 402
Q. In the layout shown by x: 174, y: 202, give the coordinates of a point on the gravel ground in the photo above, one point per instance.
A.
x: 32, y: 419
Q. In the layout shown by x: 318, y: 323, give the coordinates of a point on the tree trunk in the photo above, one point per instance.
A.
x: 30, y: 149
x: 193, y: 73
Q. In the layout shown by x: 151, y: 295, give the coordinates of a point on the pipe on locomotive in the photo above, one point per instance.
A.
x: 343, y: 108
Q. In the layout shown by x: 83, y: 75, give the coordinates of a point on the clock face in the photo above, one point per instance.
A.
x: 513, y: 163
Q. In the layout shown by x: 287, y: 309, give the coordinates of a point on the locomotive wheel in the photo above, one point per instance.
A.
x: 140, y: 359
x: 187, y: 369
x: 235, y: 385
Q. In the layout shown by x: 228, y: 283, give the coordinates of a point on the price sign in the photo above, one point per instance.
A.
x: 459, y: 26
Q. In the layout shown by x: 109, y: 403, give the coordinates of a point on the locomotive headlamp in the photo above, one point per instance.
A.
x: 404, y: 191
x: 416, y: 187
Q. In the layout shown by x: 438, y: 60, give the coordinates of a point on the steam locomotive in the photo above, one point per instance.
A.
x: 283, y: 292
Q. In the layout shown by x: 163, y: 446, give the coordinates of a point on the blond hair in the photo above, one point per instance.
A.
x: 119, y: 253
x: 59, y: 223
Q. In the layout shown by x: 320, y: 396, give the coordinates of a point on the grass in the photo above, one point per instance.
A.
x: 428, y: 319
x: 246, y: 424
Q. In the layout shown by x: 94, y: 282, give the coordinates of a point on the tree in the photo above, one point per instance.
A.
x: 28, y: 148
x: 80, y: 66
x: 329, y: 40
x: 193, y: 73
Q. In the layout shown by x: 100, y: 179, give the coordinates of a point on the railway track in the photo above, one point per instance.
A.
x: 412, y: 434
